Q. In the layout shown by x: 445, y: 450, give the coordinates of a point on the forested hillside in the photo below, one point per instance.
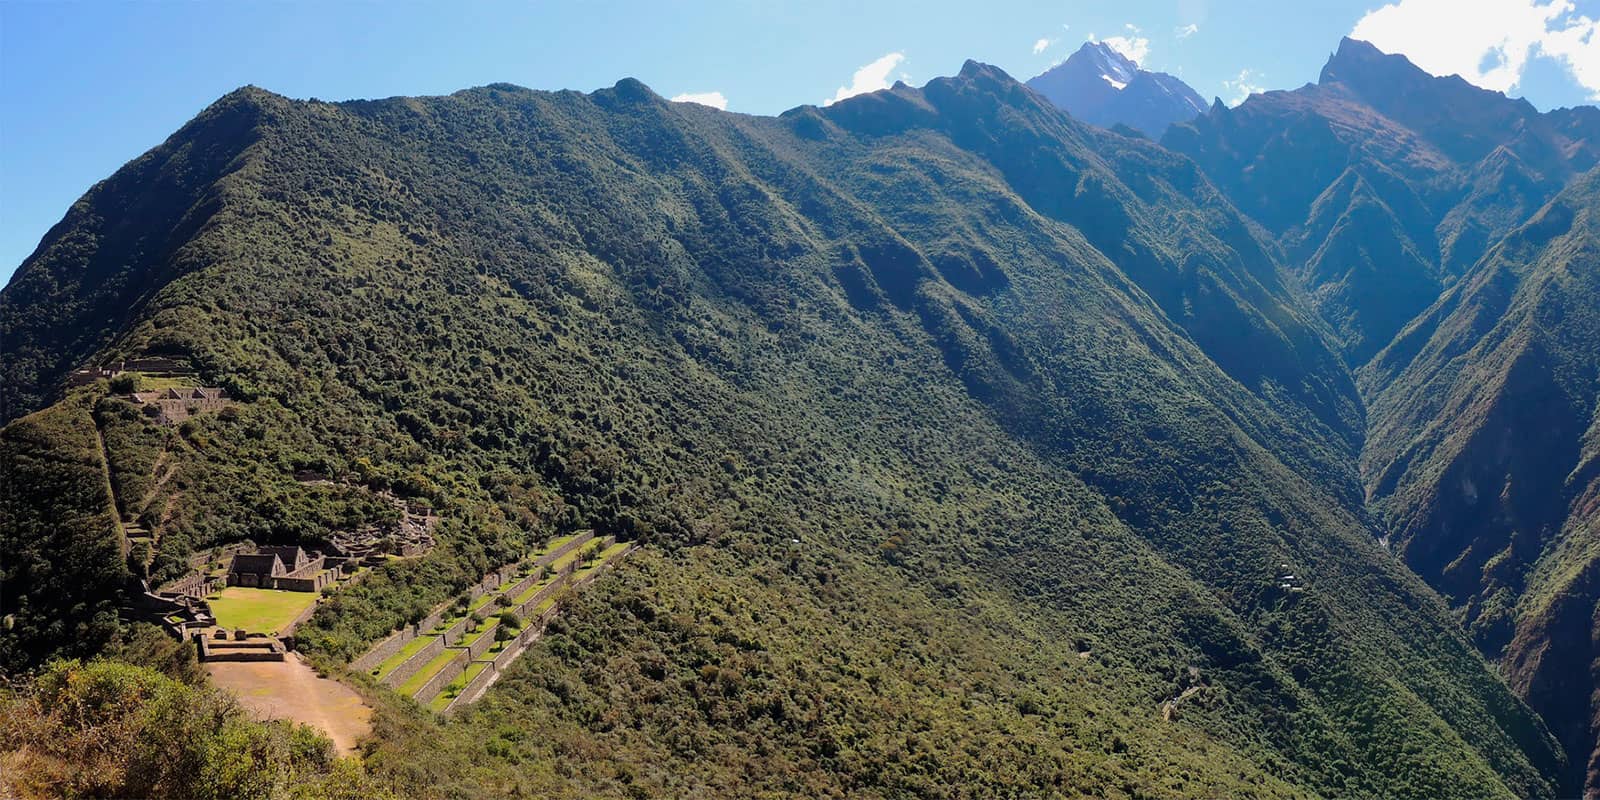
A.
x: 1442, y: 231
x: 971, y: 446
x: 1483, y: 456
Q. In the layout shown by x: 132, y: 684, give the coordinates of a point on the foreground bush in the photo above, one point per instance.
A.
x: 111, y: 729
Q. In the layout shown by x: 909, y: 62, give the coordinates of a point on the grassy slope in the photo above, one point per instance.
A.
x: 854, y: 330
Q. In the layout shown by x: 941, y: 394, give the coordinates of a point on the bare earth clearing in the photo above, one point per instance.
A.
x: 291, y: 690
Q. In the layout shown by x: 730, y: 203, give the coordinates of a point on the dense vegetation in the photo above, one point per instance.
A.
x: 111, y: 728
x: 966, y: 441
x: 62, y: 564
x: 1483, y: 457
x: 1429, y: 223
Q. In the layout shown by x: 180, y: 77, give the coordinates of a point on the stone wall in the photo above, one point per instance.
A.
x: 453, y: 634
x: 515, y: 647
x: 472, y: 690
x: 310, y: 584
x: 484, y: 642
x: 301, y: 617
x: 559, y: 583
x: 522, y: 585
x: 595, y: 573
x: 533, y: 630
x: 417, y: 661
x: 254, y: 648
x: 381, y: 651
x: 432, y: 621
x: 449, y: 672
x: 577, y: 541
x: 493, y: 581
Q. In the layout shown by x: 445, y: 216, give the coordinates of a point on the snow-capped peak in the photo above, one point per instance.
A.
x: 1102, y: 86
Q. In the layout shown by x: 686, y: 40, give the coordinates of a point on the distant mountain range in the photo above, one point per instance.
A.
x: 1384, y: 184
x: 1101, y: 86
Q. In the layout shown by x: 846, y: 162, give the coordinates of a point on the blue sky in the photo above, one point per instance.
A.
x: 87, y: 86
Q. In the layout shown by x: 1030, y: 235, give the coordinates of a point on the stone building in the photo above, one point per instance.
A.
x: 175, y: 405
x: 290, y: 569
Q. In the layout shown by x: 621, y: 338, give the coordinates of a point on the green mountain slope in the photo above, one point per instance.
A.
x: 966, y: 443
x: 1482, y: 456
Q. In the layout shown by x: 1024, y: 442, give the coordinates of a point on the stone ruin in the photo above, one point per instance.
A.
x: 289, y: 569
x: 177, y: 612
x: 156, y: 366
x: 242, y: 646
x: 172, y: 406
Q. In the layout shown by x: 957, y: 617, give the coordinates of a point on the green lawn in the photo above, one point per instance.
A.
x: 152, y: 383
x: 445, y: 624
x: 555, y: 544
x: 555, y: 571
x: 406, y: 651
x: 606, y: 555
x: 427, y: 672
x: 485, y: 599
x: 444, y: 698
x: 259, y: 610
x: 471, y: 637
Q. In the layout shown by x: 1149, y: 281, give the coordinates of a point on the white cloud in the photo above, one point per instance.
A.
x: 1041, y: 46
x: 713, y: 99
x: 1488, y: 42
x: 1186, y: 31
x: 1134, y: 48
x: 1248, y: 83
x: 1578, y: 46
x: 869, y: 78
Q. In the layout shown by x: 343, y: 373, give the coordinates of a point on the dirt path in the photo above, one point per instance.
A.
x: 111, y: 493
x: 291, y: 690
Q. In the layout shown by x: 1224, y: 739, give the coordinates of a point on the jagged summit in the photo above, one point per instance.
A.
x: 1104, y: 87
x: 1116, y: 69
x: 1355, y: 54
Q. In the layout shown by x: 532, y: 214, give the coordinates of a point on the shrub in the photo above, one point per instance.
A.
x: 126, y: 383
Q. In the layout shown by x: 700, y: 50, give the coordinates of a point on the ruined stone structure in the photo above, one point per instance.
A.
x: 241, y: 647
x: 447, y: 662
x: 171, y: 406
x: 176, y: 612
x: 154, y: 366
x: 289, y: 569
x: 412, y: 537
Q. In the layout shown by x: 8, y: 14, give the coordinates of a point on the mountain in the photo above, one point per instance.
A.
x: 970, y: 447
x: 1444, y: 233
x: 1483, y: 455
x: 1384, y: 184
x: 1101, y: 86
